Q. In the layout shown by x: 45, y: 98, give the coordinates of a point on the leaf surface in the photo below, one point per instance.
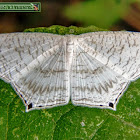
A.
x: 69, y: 121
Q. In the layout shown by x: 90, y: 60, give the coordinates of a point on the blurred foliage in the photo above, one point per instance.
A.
x: 98, y: 12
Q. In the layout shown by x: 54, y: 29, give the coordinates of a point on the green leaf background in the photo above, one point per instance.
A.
x: 69, y: 122
x: 102, y: 13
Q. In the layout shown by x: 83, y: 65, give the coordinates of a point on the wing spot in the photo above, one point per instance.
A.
x: 25, y: 101
x: 30, y: 106
x: 111, y: 104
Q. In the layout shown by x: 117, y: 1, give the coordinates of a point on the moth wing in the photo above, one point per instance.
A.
x: 118, y: 50
x: 35, y: 65
x: 103, y: 65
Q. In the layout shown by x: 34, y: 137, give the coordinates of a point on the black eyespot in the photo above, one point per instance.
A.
x: 111, y: 105
x: 40, y: 106
x: 25, y: 101
x: 101, y: 105
x: 30, y: 106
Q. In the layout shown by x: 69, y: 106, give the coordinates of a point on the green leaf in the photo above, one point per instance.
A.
x: 98, y: 12
x: 69, y: 122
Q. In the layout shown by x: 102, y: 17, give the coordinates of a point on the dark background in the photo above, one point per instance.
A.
x: 53, y: 12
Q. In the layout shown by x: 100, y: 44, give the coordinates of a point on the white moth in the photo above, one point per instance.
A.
x: 92, y: 69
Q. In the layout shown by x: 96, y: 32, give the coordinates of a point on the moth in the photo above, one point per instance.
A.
x: 92, y: 69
